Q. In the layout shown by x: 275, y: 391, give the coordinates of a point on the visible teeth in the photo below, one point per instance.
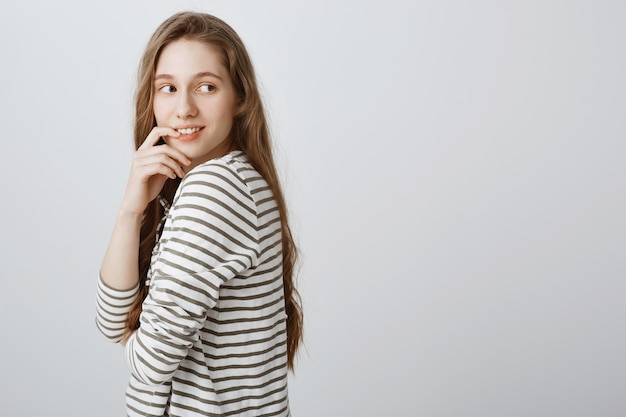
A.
x: 188, y: 131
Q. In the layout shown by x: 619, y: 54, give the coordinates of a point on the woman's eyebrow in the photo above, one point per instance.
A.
x: 198, y: 75
x: 208, y: 74
x: 163, y: 77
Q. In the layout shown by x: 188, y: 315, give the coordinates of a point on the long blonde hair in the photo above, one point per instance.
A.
x: 250, y: 133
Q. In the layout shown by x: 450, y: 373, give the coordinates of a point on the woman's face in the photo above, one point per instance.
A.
x: 194, y: 95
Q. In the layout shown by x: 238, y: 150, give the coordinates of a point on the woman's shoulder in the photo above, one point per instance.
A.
x: 231, y: 166
x: 234, y: 164
x: 230, y: 173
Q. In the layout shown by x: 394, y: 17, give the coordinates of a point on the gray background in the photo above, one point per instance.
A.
x: 455, y: 172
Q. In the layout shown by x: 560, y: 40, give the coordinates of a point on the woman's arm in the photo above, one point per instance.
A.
x: 119, y: 273
x: 152, y: 166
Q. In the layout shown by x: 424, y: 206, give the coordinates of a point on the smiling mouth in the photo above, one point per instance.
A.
x: 189, y: 130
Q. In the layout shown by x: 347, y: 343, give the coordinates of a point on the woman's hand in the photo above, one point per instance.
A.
x: 152, y: 165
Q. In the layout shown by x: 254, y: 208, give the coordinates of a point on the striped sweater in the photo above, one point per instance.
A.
x: 212, y: 336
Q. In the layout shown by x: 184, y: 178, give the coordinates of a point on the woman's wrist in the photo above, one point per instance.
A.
x: 128, y: 213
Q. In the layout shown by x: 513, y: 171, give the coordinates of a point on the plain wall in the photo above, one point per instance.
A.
x: 456, y: 174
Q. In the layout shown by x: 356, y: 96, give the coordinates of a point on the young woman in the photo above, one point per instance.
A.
x: 197, y: 280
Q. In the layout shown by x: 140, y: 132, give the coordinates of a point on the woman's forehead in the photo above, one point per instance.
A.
x: 187, y: 58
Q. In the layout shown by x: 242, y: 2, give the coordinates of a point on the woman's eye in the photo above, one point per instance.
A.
x: 207, y: 88
x: 167, y: 89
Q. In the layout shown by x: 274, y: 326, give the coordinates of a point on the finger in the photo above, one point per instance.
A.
x: 148, y: 171
x: 156, y: 133
x: 171, y: 152
x: 161, y: 159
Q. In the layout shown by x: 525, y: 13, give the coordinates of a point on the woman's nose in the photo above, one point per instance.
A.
x: 186, y: 107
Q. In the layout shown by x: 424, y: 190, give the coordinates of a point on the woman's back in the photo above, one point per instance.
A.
x: 224, y: 312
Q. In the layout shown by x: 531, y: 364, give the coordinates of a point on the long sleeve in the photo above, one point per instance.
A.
x: 112, y: 307
x: 210, y: 236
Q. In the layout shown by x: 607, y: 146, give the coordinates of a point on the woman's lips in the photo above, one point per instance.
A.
x: 189, y: 134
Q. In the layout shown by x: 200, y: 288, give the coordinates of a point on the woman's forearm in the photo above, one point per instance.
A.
x: 120, y: 268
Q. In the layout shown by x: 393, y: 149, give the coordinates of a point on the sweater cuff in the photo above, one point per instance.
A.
x: 112, y: 308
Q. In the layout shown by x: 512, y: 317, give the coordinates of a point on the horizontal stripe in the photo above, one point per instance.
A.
x: 207, y: 252
x: 219, y: 201
x: 242, y: 188
x: 247, y: 308
x: 266, y: 351
x: 269, y: 224
x: 250, y: 298
x: 261, y: 341
x: 248, y: 319
x: 246, y: 331
x: 209, y: 221
x: 260, y: 189
x: 202, y: 400
x: 253, y: 285
x: 239, y: 411
x: 237, y: 243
